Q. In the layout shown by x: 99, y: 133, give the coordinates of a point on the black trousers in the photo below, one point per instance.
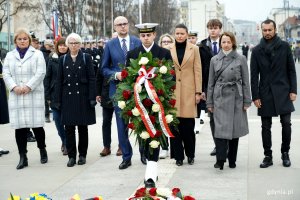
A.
x: 212, y: 125
x: 83, y: 140
x: 107, y: 114
x: 21, y: 138
x: 184, y: 140
x: 227, y: 149
x: 266, y: 124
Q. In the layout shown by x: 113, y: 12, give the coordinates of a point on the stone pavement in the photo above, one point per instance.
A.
x: 101, y: 176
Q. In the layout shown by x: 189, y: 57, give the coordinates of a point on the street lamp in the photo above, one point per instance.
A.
x: 8, y: 24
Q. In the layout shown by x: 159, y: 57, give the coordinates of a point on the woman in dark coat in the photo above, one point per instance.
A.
x: 76, y: 96
x: 4, y: 118
x: 228, y: 97
x: 49, y: 83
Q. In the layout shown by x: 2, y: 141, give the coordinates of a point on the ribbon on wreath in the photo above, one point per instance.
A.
x: 143, y: 78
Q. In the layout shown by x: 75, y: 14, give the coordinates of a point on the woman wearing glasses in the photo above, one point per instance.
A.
x: 23, y: 73
x: 76, y: 97
x: 165, y: 41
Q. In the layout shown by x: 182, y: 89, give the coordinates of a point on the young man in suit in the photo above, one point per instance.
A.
x: 147, y: 36
x: 208, y: 48
x: 114, y: 55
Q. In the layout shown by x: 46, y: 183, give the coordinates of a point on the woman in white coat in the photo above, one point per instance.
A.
x: 23, y: 72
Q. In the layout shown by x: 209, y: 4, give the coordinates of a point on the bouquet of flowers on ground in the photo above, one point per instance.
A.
x: 160, y: 194
x: 34, y: 196
x: 146, y: 98
x: 77, y: 197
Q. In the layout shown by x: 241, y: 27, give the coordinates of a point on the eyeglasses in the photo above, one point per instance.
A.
x: 122, y: 24
x: 166, y: 42
x: 73, y: 43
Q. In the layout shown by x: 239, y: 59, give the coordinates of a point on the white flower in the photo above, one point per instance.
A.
x: 169, y: 118
x: 98, y: 57
x: 143, y: 61
x: 163, y: 69
x: 173, y: 198
x: 121, y: 104
x: 144, y: 135
x: 164, y: 192
x: 155, y: 107
x: 135, y: 112
x: 139, y: 88
x: 55, y: 55
x: 154, y: 144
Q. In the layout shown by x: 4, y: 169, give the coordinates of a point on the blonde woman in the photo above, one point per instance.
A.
x: 23, y: 72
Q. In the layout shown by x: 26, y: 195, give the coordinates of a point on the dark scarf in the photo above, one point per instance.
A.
x: 180, y: 48
x: 22, y: 52
x: 270, y: 47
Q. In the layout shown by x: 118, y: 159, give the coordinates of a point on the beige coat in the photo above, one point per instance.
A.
x: 188, y: 80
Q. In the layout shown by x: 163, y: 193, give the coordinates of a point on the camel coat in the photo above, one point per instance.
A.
x: 188, y: 80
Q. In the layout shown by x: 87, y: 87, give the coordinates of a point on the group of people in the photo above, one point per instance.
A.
x: 212, y: 75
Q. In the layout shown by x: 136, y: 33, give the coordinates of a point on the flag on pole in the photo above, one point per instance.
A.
x: 55, y: 26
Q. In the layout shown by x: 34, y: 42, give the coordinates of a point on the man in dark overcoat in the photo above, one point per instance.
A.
x: 274, y: 88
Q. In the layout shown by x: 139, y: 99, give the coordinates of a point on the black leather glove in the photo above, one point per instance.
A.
x: 93, y: 103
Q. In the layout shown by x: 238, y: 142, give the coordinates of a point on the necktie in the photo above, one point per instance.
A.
x: 124, y: 47
x: 215, y: 49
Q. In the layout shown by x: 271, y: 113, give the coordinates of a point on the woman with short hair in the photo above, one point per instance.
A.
x: 228, y: 97
x: 76, y: 97
x: 23, y: 72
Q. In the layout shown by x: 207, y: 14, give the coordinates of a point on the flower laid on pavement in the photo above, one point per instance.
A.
x: 146, y: 98
x: 34, y: 196
x: 160, y: 194
x: 77, y: 197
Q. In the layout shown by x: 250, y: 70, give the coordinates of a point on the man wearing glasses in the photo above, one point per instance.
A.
x: 115, y: 53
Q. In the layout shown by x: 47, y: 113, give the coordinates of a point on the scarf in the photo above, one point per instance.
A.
x: 22, y: 52
x: 270, y: 47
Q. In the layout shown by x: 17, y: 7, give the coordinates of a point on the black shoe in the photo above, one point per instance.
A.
x: 47, y: 119
x: 201, y: 121
x: 232, y: 165
x: 81, y: 160
x: 0, y: 154
x: 44, y: 156
x: 191, y: 161
x: 143, y: 159
x: 31, y: 139
x: 219, y: 164
x: 71, y: 162
x: 179, y: 162
x: 285, y: 159
x: 214, y: 152
x: 23, y: 161
x: 149, y: 183
x: 125, y: 164
x: 4, y: 152
x: 266, y: 162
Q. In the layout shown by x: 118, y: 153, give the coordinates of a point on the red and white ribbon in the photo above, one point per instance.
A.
x: 143, y: 78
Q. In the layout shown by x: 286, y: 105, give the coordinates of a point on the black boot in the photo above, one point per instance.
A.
x: 23, y: 161
x: 44, y: 156
x: 219, y: 164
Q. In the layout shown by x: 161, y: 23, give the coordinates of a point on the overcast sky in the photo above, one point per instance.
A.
x: 254, y: 10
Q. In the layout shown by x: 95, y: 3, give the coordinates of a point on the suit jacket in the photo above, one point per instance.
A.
x: 113, y: 57
x: 206, y: 53
x: 188, y: 80
x: 157, y: 52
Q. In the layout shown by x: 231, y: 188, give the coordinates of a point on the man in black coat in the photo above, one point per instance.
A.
x: 274, y: 88
x: 245, y: 49
x: 208, y: 48
x: 147, y: 36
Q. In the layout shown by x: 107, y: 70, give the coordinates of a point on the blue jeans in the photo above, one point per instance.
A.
x: 60, y: 128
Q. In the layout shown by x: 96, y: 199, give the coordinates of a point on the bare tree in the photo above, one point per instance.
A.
x: 17, y: 6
